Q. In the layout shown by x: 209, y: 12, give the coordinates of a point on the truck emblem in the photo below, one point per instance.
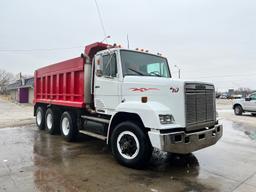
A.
x: 174, y: 90
x: 144, y: 89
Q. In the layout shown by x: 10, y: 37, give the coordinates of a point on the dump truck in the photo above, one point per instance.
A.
x: 133, y: 99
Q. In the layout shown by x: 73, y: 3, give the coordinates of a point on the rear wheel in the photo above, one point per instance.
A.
x: 40, y: 121
x: 254, y: 114
x: 68, y: 126
x: 130, y: 145
x: 238, y: 110
x: 51, y: 121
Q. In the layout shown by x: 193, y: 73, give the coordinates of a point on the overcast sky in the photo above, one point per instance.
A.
x: 210, y: 40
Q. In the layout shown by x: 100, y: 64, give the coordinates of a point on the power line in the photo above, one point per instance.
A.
x: 100, y: 18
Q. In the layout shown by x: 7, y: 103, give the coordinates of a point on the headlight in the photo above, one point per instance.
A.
x: 166, y: 119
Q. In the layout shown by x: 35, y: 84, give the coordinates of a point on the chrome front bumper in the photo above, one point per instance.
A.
x: 183, y: 143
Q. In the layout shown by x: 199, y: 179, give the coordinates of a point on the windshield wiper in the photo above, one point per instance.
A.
x: 136, y: 72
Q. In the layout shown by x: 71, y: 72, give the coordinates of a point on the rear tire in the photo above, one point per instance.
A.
x: 254, y: 114
x: 238, y: 110
x: 68, y: 126
x: 130, y: 145
x: 51, y: 121
x: 40, y: 121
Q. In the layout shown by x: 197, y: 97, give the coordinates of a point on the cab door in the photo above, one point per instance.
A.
x: 107, y: 83
x: 250, y: 103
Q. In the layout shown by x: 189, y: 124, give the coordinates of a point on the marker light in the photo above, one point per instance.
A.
x: 144, y: 99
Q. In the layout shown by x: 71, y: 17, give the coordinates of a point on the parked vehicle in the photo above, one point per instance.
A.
x: 236, y: 96
x: 218, y: 95
x: 224, y: 96
x: 131, y: 93
x: 247, y: 104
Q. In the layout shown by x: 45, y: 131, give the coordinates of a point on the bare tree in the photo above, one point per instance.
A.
x: 244, y: 91
x: 5, y: 78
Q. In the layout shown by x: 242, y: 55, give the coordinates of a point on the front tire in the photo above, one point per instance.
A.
x: 238, y: 110
x: 51, y: 121
x: 130, y: 145
x: 40, y: 121
x: 254, y: 114
x: 68, y: 126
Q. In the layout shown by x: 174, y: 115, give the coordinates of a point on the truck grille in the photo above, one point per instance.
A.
x: 200, y: 106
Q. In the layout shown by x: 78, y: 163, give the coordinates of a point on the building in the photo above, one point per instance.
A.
x: 231, y: 92
x: 22, y: 90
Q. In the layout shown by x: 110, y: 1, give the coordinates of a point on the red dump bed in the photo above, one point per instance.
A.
x: 61, y: 84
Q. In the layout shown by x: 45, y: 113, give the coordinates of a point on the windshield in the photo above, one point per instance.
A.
x: 143, y: 64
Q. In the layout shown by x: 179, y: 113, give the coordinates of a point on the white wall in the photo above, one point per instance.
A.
x: 13, y: 95
x: 30, y: 95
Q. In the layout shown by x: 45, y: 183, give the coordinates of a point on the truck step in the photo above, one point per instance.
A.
x: 101, y: 137
x: 96, y: 119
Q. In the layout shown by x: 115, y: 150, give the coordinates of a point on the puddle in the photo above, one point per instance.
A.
x: 246, y: 129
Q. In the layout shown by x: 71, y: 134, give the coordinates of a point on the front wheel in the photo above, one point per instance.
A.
x: 130, y: 145
x: 254, y: 114
x: 238, y: 110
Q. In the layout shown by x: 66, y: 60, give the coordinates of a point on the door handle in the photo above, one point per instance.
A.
x: 97, y: 86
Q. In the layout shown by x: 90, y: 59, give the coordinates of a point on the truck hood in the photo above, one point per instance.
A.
x: 159, y: 80
x: 165, y: 91
x: 238, y: 100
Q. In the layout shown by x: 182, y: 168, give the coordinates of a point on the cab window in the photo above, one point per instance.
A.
x: 157, y: 68
x: 144, y: 64
x: 253, y: 96
x: 109, y: 65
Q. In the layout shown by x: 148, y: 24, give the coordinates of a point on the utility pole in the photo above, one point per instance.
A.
x: 178, y: 70
x: 128, y: 42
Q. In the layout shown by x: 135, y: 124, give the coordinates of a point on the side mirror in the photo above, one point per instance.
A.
x: 247, y: 99
x: 98, y: 66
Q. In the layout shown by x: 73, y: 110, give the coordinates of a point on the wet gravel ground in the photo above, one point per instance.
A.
x: 12, y: 114
x: 31, y: 160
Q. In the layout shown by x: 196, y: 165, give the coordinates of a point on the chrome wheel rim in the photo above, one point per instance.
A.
x: 39, y: 117
x: 49, y: 121
x: 128, y: 145
x: 65, y: 126
x: 237, y: 110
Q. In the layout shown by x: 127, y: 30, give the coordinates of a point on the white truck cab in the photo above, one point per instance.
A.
x: 247, y: 104
x: 177, y: 116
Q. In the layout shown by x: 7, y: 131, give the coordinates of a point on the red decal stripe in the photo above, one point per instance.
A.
x: 144, y: 89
